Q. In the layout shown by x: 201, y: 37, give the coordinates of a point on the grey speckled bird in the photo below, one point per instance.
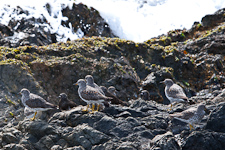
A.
x: 90, y: 95
x: 65, y: 103
x: 145, y: 95
x: 174, y: 92
x: 191, y: 116
x: 90, y: 82
x: 34, y: 102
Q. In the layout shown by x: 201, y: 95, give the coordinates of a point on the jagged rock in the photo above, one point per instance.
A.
x: 37, y: 128
x: 9, y: 138
x: 214, y: 19
x: 5, y: 31
x: 204, y: 140
x: 196, y: 64
x: 75, y: 148
x: 80, y: 16
x: 14, y: 147
x: 56, y: 147
x: 165, y: 142
x: 83, y: 135
x: 216, y: 119
x: 105, y: 124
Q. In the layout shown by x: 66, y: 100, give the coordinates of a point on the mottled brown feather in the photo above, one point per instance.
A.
x: 176, y: 91
x: 93, y: 95
x: 184, y: 114
x: 36, y: 101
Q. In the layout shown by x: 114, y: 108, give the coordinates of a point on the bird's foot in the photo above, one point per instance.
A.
x: 92, y: 109
x: 191, y: 127
x: 32, y: 119
x: 170, y: 107
x: 85, y: 110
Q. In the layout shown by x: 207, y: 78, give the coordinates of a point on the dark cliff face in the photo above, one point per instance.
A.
x: 193, y: 58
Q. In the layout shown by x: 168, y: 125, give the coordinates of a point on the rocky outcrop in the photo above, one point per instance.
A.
x: 197, y: 65
x: 34, y: 31
x: 87, y: 20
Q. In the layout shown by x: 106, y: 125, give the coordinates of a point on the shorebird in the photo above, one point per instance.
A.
x: 34, y: 102
x: 191, y: 116
x: 30, y: 113
x: 174, y: 92
x: 65, y: 103
x: 90, y: 82
x: 112, y: 90
x: 145, y: 95
x: 114, y: 99
x: 90, y: 95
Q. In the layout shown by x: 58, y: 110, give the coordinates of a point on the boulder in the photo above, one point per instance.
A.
x: 216, y: 119
x: 204, y: 140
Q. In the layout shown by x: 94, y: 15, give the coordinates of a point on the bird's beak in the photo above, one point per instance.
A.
x: 162, y: 82
x: 75, y: 83
x: 20, y: 93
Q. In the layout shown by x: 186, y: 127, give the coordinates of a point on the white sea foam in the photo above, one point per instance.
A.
x: 139, y: 20
x: 136, y: 20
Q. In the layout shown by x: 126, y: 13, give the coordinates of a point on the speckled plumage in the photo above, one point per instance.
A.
x: 191, y: 116
x: 35, y: 102
x: 174, y: 92
x: 90, y: 95
x: 90, y: 82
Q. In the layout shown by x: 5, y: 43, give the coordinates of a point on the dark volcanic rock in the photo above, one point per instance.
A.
x: 217, y: 118
x: 197, y: 65
x: 34, y: 31
x: 204, y: 141
x: 164, y: 142
x: 213, y: 19
x: 88, y: 20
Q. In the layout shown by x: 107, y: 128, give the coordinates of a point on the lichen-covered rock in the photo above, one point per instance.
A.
x: 196, y: 64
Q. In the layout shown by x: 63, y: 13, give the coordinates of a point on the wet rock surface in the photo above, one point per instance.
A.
x: 195, y: 62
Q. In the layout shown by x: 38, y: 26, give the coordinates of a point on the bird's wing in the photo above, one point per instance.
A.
x: 99, y: 89
x: 36, y: 101
x: 92, y: 94
x: 184, y: 114
x: 176, y: 91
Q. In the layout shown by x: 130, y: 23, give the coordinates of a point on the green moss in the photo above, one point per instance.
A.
x: 186, y: 83
x: 198, y: 26
x: 9, y: 101
x: 11, y: 114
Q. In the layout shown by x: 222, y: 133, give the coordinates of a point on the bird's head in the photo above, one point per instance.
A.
x: 80, y: 82
x: 167, y: 82
x: 63, y: 96
x: 89, y: 79
x: 24, y: 92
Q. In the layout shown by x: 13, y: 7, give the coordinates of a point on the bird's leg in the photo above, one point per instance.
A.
x: 86, y: 108
x: 191, y: 127
x: 170, y: 107
x: 98, y: 107
x: 34, y: 116
x: 93, y: 108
